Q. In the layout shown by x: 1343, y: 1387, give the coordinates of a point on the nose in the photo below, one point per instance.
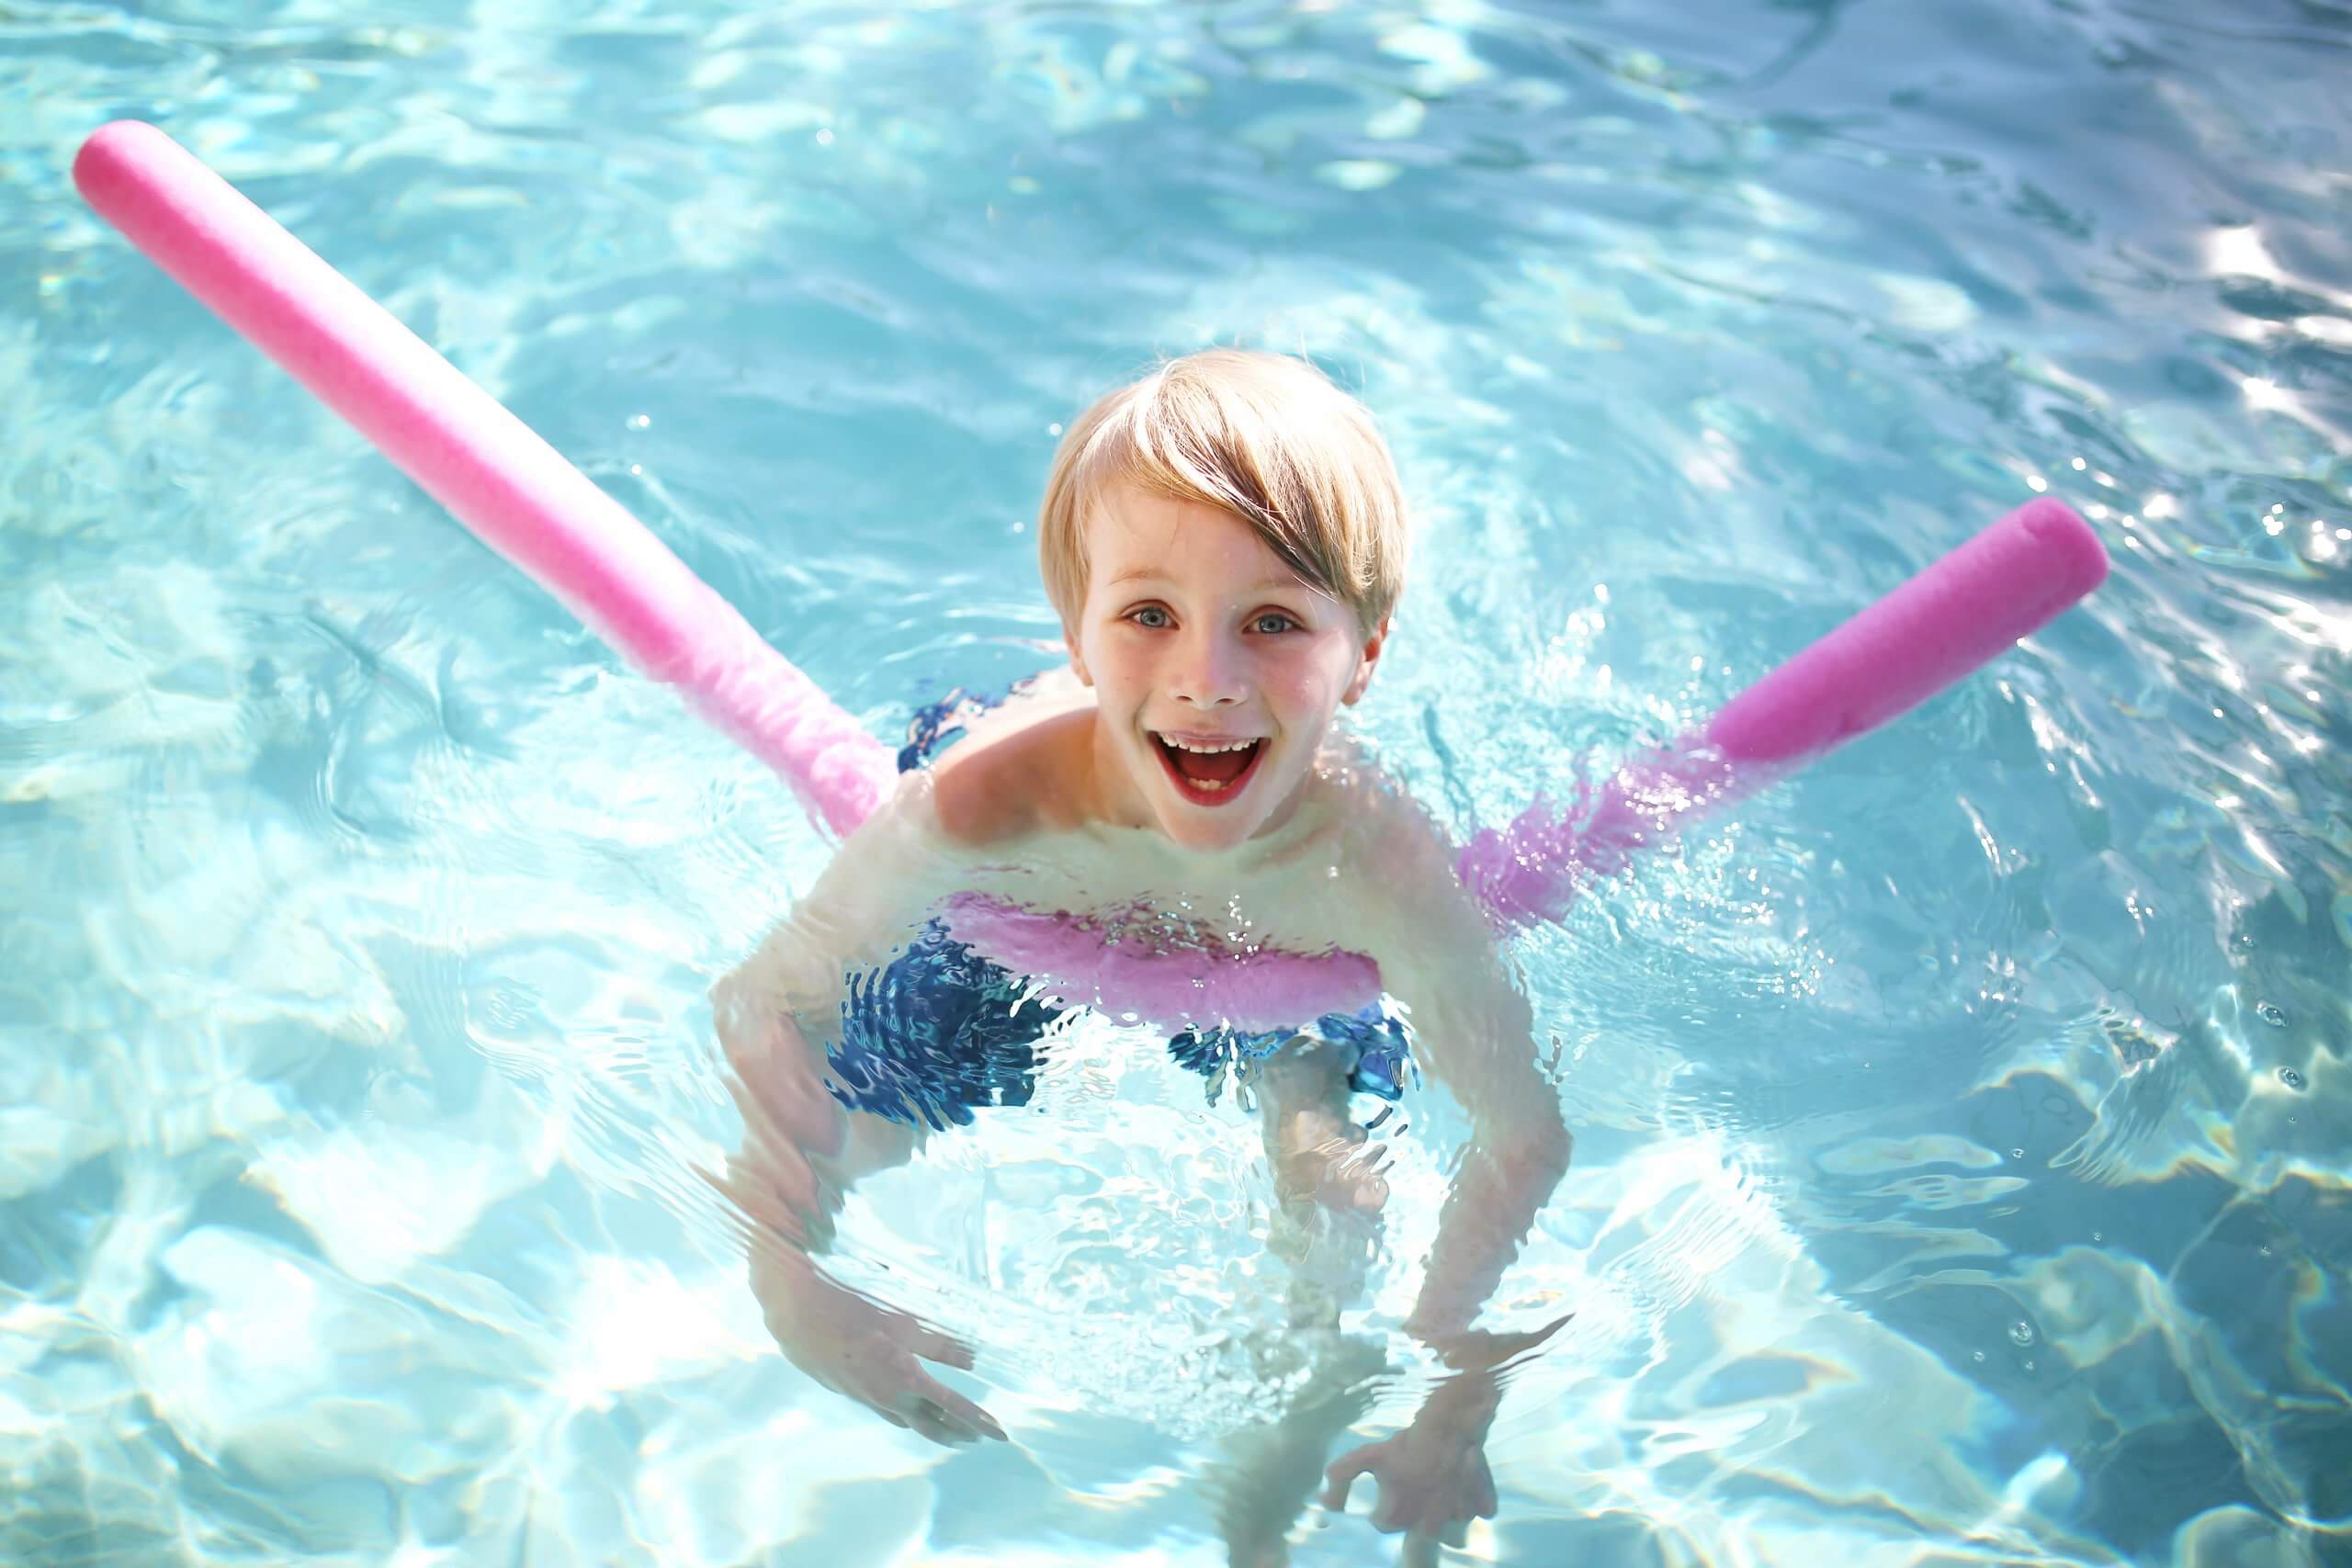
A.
x: 1209, y: 672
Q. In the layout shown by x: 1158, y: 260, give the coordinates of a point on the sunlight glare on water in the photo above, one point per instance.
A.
x: 1960, y: 1126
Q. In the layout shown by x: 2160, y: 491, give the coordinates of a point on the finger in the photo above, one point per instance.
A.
x: 929, y: 1421
x: 936, y: 1345
x: 953, y: 1426
x: 919, y: 1338
x: 954, y: 1406
x: 1338, y: 1479
x: 1400, y: 1506
x: 1420, y: 1552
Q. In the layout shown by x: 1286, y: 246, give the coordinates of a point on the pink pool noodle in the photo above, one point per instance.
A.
x: 2005, y: 583
x: 1067, y: 959
x: 516, y: 493
x: 524, y: 500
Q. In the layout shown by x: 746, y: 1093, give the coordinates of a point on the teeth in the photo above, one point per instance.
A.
x: 1208, y: 750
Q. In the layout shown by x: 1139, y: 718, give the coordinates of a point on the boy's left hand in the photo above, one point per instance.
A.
x: 1432, y: 1475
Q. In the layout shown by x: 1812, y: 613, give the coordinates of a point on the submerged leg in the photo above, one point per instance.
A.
x: 1326, y: 1228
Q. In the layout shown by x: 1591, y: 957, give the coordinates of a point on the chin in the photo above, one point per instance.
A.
x: 1189, y: 831
x: 1227, y: 825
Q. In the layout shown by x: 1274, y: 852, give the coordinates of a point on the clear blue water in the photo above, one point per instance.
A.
x: 1961, y: 1170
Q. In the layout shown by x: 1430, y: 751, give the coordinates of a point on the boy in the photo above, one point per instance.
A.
x: 1223, y: 541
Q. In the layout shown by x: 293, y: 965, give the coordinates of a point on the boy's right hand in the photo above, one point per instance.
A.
x: 857, y: 1347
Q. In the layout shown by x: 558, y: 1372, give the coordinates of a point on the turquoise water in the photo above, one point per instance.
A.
x: 1961, y: 1128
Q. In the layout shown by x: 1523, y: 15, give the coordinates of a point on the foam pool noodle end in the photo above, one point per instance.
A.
x: 2005, y: 583
x: 516, y: 493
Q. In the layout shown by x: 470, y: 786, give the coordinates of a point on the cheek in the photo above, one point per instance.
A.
x: 1296, y: 693
x: 1116, y: 667
x: 1306, y: 687
x: 1302, y: 703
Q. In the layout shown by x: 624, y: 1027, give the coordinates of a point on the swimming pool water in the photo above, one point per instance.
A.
x: 1962, y: 1167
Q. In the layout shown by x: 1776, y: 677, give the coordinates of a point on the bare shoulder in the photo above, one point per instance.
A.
x: 1021, y: 770
x: 1403, y: 854
x: 1406, y: 902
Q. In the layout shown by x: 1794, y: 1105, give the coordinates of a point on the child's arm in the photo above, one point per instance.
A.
x: 1475, y: 1035
x: 802, y: 1150
x: 1473, y: 1032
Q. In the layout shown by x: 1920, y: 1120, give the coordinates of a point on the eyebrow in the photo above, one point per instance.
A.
x: 1263, y: 585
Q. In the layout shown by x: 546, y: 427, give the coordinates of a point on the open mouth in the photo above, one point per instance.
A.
x: 1208, y: 774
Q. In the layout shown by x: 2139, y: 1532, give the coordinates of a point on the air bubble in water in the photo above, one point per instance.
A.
x: 2272, y: 1014
x: 1976, y: 1355
x: 2290, y: 1078
x: 2020, y: 1333
x: 2017, y: 1154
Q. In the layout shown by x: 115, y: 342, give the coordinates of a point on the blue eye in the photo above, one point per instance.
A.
x: 1273, y: 622
x: 1151, y: 616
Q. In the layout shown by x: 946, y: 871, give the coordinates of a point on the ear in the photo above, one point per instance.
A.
x: 1076, y: 660
x: 1366, y: 664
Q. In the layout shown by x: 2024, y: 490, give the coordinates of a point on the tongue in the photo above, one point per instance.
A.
x: 1212, y: 767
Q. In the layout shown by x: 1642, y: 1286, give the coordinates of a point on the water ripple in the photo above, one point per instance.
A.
x: 358, y: 1061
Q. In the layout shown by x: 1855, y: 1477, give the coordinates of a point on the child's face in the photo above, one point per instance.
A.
x: 1217, y: 670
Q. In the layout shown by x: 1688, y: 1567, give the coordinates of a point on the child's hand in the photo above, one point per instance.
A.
x: 857, y: 1347
x: 1433, y: 1476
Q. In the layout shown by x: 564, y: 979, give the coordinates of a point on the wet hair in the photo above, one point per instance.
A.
x: 1265, y: 436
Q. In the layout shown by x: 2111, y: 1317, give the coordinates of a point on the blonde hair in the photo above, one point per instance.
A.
x: 1265, y: 436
